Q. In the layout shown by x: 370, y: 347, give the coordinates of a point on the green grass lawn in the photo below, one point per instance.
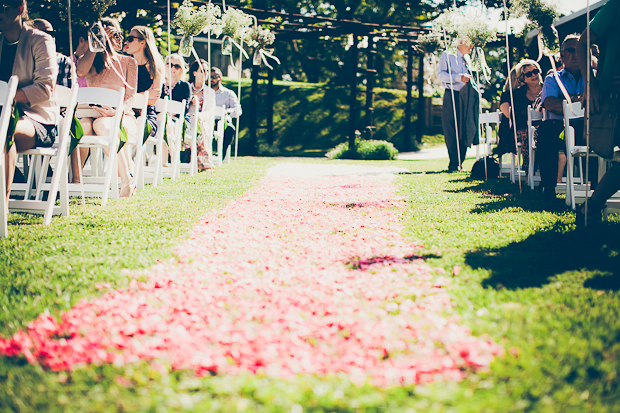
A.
x: 547, y: 293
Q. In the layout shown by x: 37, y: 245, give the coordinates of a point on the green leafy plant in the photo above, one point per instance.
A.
x: 541, y: 14
x: 84, y: 12
x: 365, y: 150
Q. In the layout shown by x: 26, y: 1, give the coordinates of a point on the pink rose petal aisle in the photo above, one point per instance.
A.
x: 305, y: 274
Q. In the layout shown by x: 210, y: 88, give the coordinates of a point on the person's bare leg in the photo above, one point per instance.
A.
x: 24, y: 140
x: 87, y: 126
x: 561, y: 166
x: 101, y: 127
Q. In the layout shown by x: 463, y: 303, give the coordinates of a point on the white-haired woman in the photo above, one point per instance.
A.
x: 529, y: 79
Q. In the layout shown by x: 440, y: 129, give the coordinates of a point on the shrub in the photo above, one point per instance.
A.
x: 364, y: 149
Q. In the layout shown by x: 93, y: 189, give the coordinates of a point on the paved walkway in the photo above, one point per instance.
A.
x: 435, y: 152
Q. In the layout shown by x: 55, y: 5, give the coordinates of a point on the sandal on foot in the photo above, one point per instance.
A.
x: 128, y: 189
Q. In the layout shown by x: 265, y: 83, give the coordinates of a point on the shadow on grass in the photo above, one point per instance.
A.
x: 535, y: 260
x: 357, y: 263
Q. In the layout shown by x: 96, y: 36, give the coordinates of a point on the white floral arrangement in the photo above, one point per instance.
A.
x: 260, y: 37
x: 191, y: 21
x: 429, y: 43
x: 236, y: 23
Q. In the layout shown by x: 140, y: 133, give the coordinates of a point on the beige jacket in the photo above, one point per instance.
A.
x: 36, y: 67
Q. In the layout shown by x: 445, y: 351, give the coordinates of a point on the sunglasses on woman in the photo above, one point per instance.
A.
x: 117, y: 36
x: 532, y: 73
x: 176, y: 66
x: 132, y: 38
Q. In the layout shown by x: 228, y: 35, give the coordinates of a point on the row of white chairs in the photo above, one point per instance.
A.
x: 574, y: 185
x: 100, y: 176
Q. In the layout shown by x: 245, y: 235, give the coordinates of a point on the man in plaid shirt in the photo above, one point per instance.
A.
x: 64, y: 62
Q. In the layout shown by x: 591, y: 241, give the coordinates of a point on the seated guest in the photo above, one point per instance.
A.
x: 179, y: 90
x: 99, y: 71
x: 30, y: 55
x: 141, y: 45
x: 65, y: 64
x: 506, y: 143
x: 227, y: 98
x: 197, y: 78
x: 528, y: 75
x: 175, y: 87
x: 550, y: 147
x: 80, y: 41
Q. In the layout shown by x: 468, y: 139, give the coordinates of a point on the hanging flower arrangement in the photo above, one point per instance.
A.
x: 235, y: 23
x: 429, y: 43
x: 260, y: 39
x: 541, y: 14
x: 191, y: 21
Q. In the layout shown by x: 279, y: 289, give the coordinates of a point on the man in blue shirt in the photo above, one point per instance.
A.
x: 453, y: 79
x: 550, y: 148
x: 570, y: 76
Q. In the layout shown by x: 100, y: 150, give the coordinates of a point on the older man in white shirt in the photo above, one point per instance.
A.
x: 227, y: 98
x: 453, y: 78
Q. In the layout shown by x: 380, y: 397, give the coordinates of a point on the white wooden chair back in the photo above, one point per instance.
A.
x: 573, y: 190
x: 221, y: 119
x: 192, y: 135
x: 41, y: 159
x: 108, y: 185
x: 487, y: 122
x: 153, y: 172
x: 533, y: 116
x: 176, y: 113
x: 7, y: 95
x: 140, y: 102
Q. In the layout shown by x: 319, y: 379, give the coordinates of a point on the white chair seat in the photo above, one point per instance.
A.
x: 94, y: 141
x: 41, y: 151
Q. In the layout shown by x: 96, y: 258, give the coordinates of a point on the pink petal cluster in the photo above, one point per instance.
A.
x: 299, y: 276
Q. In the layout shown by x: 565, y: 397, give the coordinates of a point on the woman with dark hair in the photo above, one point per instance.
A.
x: 529, y: 78
x: 30, y: 55
x: 141, y: 45
x: 197, y: 79
x: 104, y: 69
x: 203, y: 97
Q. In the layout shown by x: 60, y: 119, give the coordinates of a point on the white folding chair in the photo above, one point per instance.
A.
x: 192, y: 135
x: 218, y: 133
x: 175, y: 110
x: 140, y: 102
x: 575, y: 186
x: 7, y: 95
x: 98, y: 186
x: 153, y: 172
x: 41, y: 159
x: 532, y: 117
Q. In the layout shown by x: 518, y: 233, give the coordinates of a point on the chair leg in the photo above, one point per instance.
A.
x: 4, y: 211
x: 30, y: 162
x: 45, y: 161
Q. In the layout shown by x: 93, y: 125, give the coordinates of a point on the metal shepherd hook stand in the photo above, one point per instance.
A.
x: 587, y: 112
x: 512, y: 104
